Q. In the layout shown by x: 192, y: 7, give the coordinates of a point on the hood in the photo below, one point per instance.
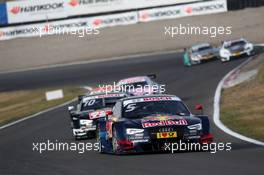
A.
x: 160, y: 121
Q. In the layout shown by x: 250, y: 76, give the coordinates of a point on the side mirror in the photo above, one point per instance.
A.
x: 70, y: 108
x: 152, y: 76
x: 199, y: 108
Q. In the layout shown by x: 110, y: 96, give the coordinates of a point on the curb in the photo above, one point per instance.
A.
x: 217, y: 99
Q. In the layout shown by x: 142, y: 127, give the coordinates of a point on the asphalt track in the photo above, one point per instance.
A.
x: 194, y: 85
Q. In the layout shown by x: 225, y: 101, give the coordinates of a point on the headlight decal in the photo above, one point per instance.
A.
x: 196, y: 126
x: 132, y: 131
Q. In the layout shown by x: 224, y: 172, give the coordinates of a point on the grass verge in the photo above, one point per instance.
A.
x: 242, y: 107
x: 18, y: 104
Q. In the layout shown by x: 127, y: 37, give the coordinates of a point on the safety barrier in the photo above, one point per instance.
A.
x: 38, y: 10
x: 65, y: 26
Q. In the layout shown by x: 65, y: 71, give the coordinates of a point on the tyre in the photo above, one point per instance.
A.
x: 224, y: 60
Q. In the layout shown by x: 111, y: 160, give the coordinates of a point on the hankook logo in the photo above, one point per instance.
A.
x: 98, y: 22
x: 204, y: 8
x: 75, y: 3
x: 36, y: 8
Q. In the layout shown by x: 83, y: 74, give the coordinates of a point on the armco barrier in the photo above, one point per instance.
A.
x: 241, y: 4
x: 3, y: 14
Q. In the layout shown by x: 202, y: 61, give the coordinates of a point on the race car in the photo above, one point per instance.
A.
x: 146, y: 123
x: 200, y: 53
x: 89, y: 109
x: 141, y: 85
x: 235, y: 49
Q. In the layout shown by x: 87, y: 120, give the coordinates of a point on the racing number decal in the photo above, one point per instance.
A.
x: 130, y: 107
x: 89, y: 103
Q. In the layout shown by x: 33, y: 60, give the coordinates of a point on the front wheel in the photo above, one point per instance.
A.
x: 224, y: 59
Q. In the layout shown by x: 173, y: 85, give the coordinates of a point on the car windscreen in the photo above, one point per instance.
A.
x: 99, y: 103
x: 236, y: 43
x: 143, y: 109
x: 110, y: 102
x: 200, y: 49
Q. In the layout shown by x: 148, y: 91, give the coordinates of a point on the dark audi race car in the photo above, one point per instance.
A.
x: 147, y: 123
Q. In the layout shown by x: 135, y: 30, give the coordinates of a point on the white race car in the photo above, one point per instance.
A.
x: 235, y: 49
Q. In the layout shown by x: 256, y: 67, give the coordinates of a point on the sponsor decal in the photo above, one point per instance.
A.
x: 205, y: 7
x: 113, y: 20
x: 189, y: 10
x: 151, y: 124
x: 15, y: 10
x: 165, y: 135
x: 36, y: 8
x: 97, y: 22
x: 156, y: 14
x: 73, y: 3
x: 157, y: 98
x: 147, y: 99
x: 97, y: 114
x: 103, y: 96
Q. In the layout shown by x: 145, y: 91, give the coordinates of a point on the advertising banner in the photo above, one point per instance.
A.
x: 36, y: 10
x: 203, y: 8
x: 71, y: 26
x: 200, y: 8
x: 160, y: 13
x: 114, y: 20
x: 39, y: 10
x: 78, y: 7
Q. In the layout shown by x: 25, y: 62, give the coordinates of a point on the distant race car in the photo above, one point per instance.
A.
x: 235, y: 49
x: 146, y: 123
x: 141, y: 85
x: 89, y: 109
x: 200, y: 53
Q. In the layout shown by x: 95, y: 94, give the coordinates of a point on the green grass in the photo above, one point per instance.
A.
x: 242, y: 107
x: 18, y: 104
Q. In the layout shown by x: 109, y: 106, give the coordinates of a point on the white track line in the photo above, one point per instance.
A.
x: 217, y: 99
x: 37, y: 114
